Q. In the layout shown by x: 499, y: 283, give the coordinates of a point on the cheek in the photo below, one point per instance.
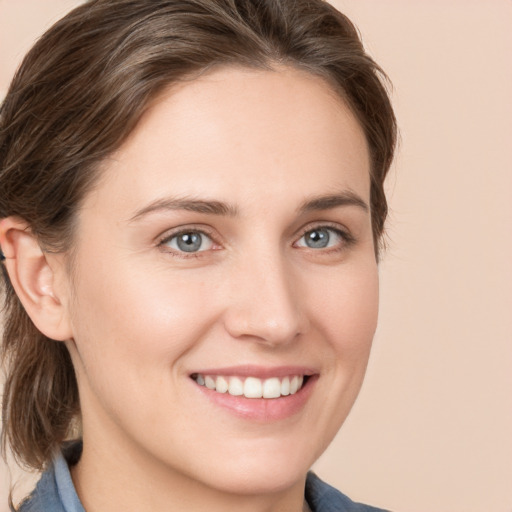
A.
x: 347, y: 310
x: 124, y: 318
x: 346, y: 313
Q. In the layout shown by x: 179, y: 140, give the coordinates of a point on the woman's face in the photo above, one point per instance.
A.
x: 228, y: 244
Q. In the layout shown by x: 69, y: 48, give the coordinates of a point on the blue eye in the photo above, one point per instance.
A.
x: 320, y: 238
x: 189, y: 241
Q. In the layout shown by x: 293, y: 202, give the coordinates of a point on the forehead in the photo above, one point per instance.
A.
x: 261, y: 132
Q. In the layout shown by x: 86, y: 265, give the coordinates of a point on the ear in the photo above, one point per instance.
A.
x: 34, y: 274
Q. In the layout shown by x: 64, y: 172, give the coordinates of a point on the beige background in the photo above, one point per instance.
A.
x: 432, y: 429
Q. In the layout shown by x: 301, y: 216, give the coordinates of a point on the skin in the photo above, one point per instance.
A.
x: 139, y: 316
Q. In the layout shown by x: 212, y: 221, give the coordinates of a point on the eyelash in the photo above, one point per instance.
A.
x: 347, y: 240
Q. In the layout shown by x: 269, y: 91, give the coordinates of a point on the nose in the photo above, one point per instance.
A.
x: 265, y: 304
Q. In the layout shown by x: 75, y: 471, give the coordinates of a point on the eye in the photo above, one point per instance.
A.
x: 189, y: 241
x: 321, y: 238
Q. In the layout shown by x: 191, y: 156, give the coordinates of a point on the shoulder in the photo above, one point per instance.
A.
x: 321, y: 497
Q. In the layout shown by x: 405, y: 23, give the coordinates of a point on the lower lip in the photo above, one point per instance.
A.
x: 262, y: 409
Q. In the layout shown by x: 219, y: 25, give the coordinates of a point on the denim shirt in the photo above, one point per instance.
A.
x: 55, y: 491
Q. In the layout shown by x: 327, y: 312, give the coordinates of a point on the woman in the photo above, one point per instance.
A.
x: 192, y: 203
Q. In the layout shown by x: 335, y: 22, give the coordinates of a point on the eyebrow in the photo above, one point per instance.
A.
x: 324, y: 202
x: 189, y: 204
x: 329, y: 201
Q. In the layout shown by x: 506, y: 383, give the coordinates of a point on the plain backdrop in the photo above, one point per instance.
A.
x: 432, y: 428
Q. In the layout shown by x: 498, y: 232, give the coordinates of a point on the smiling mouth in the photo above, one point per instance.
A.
x: 252, y: 387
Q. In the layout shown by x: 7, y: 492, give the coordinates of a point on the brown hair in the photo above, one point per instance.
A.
x: 81, y: 90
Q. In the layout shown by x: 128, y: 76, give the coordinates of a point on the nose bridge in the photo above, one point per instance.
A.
x: 263, y: 303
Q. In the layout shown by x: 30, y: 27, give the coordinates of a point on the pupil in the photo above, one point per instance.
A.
x: 318, y: 239
x: 189, y: 242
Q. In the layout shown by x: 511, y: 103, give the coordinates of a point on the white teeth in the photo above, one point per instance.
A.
x: 209, y: 382
x: 236, y: 386
x: 221, y: 385
x: 285, y: 386
x: 294, y: 385
x: 252, y: 387
x: 271, y: 388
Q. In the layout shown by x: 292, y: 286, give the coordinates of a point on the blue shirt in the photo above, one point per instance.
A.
x: 55, y: 491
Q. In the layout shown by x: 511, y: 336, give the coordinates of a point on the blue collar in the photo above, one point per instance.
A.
x: 55, y: 491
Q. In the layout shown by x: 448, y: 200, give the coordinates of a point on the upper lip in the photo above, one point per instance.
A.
x: 261, y: 372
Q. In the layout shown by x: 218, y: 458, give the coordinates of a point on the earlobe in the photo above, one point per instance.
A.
x: 33, y: 275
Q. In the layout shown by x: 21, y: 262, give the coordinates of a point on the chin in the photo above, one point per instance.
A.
x: 259, y: 480
x: 266, y: 470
